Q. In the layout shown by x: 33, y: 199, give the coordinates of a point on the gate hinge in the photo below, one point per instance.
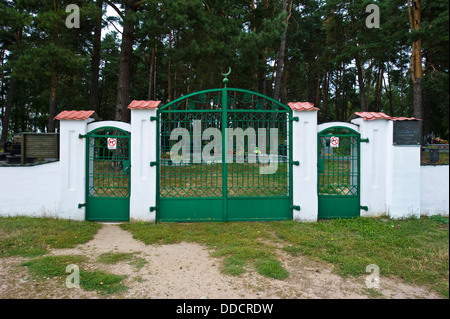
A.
x: 153, y: 208
x: 364, y: 208
x: 81, y: 136
x: 153, y: 118
x: 295, y: 119
x: 81, y: 205
x: 153, y: 164
x: 296, y: 163
x: 364, y: 140
x: 296, y: 207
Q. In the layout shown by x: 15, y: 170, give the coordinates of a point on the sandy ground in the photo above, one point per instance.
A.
x: 187, y: 270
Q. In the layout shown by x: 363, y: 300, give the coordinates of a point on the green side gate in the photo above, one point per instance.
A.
x: 338, y: 173
x: 108, y: 175
x: 224, y: 155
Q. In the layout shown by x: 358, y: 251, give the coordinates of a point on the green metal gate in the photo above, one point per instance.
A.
x: 224, y: 155
x: 338, y: 173
x: 108, y: 175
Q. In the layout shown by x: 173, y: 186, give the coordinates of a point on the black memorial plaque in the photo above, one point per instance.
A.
x: 407, y: 132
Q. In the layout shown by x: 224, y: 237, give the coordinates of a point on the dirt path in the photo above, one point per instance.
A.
x: 187, y: 270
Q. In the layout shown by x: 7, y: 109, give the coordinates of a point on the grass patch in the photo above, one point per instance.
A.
x: 55, y: 267
x: 415, y: 250
x: 113, y: 258
x: 30, y: 237
x: 271, y: 268
x: 242, y: 245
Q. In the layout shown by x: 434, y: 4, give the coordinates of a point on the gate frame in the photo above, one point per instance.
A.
x: 354, y: 128
x: 224, y: 111
x: 92, y: 128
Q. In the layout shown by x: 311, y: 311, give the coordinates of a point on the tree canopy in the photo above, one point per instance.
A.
x: 321, y: 51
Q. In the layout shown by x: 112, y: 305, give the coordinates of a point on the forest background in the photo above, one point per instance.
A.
x: 328, y: 52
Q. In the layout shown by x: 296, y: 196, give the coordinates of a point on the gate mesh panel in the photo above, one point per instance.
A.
x: 338, y: 166
x: 186, y: 177
x: 107, y: 174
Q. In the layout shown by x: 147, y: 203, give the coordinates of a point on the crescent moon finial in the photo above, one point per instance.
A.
x: 229, y: 72
x: 225, y: 79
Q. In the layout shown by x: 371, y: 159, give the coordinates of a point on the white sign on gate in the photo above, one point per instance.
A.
x: 334, y: 141
x: 112, y: 143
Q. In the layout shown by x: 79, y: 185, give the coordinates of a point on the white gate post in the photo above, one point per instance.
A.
x: 73, y: 163
x: 143, y: 159
x: 390, y: 174
x: 304, y: 150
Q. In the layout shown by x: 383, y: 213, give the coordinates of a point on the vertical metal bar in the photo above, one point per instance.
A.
x: 224, y: 153
x: 158, y: 166
x: 289, y: 162
x: 358, y: 143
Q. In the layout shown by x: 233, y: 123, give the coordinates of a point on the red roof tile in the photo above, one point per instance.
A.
x: 302, y: 106
x: 370, y: 116
x: 74, y: 115
x: 144, y: 104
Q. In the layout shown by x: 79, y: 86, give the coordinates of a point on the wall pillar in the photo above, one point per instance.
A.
x: 390, y: 174
x: 73, y: 163
x: 304, y: 150
x: 143, y: 153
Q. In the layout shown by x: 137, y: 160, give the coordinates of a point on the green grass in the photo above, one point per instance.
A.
x: 28, y: 237
x: 55, y: 267
x: 113, y: 258
x: 415, y: 250
x: 34, y: 237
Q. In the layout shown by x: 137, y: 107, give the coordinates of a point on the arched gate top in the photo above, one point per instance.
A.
x: 233, y: 98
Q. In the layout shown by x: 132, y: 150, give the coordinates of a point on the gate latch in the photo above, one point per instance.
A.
x: 153, y: 208
x: 295, y: 207
x: 153, y: 164
x: 364, y: 208
x: 81, y: 205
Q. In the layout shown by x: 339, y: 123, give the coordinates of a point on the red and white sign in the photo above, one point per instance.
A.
x: 112, y: 143
x: 334, y: 141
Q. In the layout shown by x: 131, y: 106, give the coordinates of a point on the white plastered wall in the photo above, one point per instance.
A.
x: 143, y: 176
x: 390, y: 175
x: 304, y: 150
x: 30, y: 190
x: 434, y: 190
x: 73, y: 168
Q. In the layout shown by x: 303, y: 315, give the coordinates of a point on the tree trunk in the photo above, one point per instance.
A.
x: 276, y: 93
x: 415, y: 20
x: 325, y: 97
x: 378, y: 87
x: 126, y: 52
x: 8, y: 108
x: 51, y: 127
x: 388, y: 89
x: 150, y: 76
x: 362, y: 90
x: 95, y: 62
